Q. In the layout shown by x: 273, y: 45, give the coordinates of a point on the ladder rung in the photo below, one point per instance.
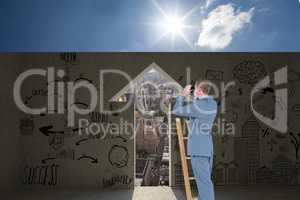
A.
x: 192, y: 178
x: 188, y: 157
x: 185, y: 138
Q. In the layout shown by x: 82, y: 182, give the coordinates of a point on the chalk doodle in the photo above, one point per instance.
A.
x: 283, y: 170
x: 250, y: 131
x: 81, y: 141
x: 44, y: 161
x: 119, y: 137
x: 249, y: 72
x: 291, y: 89
x: 83, y: 79
x: 41, y: 175
x: 293, y: 76
x: 296, y: 109
x: 26, y: 126
x: 68, y: 58
x: 92, y: 159
x: 35, y: 93
x: 66, y: 153
x: 55, y: 138
x: 230, y: 116
x: 264, y: 175
x: 39, y: 92
x: 116, y: 181
x: 47, y: 130
x: 99, y: 117
x: 272, y: 142
x: 251, y: 128
x: 211, y: 74
x: 295, y: 140
x: 56, y: 141
x: 226, y: 173
x: 118, y: 156
x: 266, y: 132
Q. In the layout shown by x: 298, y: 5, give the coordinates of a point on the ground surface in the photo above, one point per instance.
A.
x: 161, y: 193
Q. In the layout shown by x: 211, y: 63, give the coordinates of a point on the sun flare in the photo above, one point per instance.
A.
x: 173, y: 25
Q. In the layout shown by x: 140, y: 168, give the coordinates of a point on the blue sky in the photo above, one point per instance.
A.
x: 137, y: 25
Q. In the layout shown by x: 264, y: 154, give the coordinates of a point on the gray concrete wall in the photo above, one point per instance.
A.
x: 71, y: 171
x: 9, y: 142
x: 67, y: 159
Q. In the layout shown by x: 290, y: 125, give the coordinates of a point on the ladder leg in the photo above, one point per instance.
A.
x: 184, y: 164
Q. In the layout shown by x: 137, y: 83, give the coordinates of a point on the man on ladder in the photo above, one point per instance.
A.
x: 201, y: 112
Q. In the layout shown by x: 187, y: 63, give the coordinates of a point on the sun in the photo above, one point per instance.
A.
x: 173, y: 25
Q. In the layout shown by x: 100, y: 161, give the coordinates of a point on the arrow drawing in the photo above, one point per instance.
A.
x: 46, y: 159
x: 122, y: 138
x: 80, y: 141
x: 47, y: 130
x: 93, y: 160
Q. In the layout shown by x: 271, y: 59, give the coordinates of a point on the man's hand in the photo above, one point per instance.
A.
x: 186, y: 91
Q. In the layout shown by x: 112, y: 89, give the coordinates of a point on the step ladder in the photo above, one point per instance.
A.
x: 184, y: 159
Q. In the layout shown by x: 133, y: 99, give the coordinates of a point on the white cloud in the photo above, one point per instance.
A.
x: 208, y: 3
x: 221, y: 24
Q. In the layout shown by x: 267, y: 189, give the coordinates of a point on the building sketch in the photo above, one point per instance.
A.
x: 251, y: 130
x: 241, y: 157
x: 283, y: 169
x: 264, y: 175
x: 225, y: 173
